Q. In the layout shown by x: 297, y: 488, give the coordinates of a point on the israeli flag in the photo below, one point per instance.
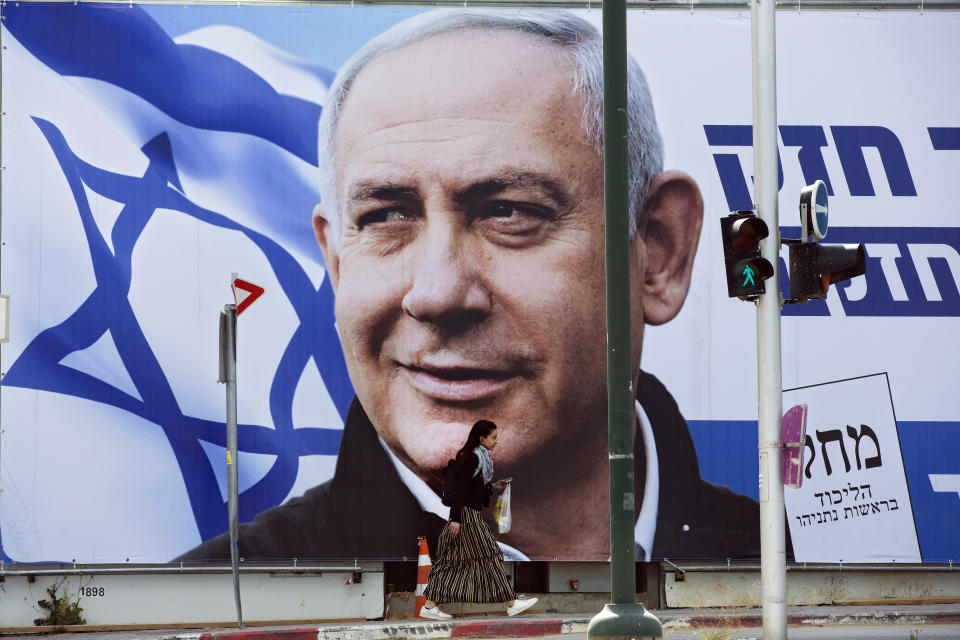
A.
x: 141, y: 171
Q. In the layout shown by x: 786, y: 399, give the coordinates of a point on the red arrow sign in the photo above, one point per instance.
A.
x: 245, y: 293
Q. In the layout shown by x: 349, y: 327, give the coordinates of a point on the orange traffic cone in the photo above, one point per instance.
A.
x: 423, y: 572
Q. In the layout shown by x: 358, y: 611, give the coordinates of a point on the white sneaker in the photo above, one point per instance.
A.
x: 521, y: 605
x: 435, y: 613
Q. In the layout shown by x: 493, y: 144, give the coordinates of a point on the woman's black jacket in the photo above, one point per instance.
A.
x: 465, y: 488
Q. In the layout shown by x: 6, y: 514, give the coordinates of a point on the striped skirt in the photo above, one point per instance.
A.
x: 469, y: 565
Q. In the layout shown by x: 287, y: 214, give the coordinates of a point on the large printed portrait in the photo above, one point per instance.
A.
x: 420, y: 194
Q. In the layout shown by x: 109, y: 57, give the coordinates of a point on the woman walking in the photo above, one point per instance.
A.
x: 469, y: 565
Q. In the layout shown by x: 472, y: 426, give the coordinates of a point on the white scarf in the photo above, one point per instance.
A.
x: 486, y: 463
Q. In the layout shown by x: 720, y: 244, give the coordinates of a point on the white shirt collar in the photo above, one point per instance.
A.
x: 646, y: 525
x: 427, y: 497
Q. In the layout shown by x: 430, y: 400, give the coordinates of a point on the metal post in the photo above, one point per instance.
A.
x: 773, y: 569
x: 624, y: 617
x: 229, y: 362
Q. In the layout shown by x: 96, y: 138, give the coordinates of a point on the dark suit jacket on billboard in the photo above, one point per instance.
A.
x: 367, y: 512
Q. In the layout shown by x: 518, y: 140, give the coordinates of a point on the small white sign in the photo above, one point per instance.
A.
x: 4, y: 318
x: 854, y: 505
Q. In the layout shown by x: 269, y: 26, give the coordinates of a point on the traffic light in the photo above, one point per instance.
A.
x: 746, y: 270
x: 814, y: 266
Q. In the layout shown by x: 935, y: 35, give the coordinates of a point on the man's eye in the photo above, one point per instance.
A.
x: 506, y: 209
x: 515, y: 217
x: 382, y: 216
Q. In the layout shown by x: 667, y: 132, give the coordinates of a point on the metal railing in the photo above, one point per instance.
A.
x: 294, y: 567
x: 674, y: 567
x: 690, y: 5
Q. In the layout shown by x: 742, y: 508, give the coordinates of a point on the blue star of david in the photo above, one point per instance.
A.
x: 108, y: 308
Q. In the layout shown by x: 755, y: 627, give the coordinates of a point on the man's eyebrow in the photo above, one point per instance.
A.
x: 379, y: 190
x: 523, y: 179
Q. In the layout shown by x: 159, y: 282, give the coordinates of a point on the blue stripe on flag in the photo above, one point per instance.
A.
x: 196, y: 86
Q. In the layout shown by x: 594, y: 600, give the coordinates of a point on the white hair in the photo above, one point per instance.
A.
x: 575, y: 37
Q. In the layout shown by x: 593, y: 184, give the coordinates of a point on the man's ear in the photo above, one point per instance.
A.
x: 667, y: 236
x: 325, y: 233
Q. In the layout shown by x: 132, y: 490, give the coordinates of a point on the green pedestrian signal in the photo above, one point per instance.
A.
x: 746, y: 269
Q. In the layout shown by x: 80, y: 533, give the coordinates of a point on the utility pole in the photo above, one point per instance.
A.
x: 624, y: 617
x: 773, y: 567
x: 228, y: 375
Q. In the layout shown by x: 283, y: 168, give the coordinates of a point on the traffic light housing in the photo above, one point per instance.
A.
x: 814, y: 267
x: 746, y: 269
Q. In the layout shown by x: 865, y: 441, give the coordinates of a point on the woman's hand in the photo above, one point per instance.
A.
x: 500, y: 485
x: 454, y: 528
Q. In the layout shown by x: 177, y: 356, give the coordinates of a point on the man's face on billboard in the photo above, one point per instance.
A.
x: 470, y: 276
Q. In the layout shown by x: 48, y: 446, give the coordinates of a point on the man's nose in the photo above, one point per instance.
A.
x: 448, y: 285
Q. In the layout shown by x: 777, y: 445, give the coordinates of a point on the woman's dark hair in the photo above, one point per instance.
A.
x: 481, y: 429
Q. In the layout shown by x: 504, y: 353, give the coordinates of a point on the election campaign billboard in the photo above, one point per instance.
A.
x: 839, y: 504
x: 419, y: 194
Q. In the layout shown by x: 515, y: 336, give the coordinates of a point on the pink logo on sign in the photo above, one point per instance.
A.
x: 794, y: 431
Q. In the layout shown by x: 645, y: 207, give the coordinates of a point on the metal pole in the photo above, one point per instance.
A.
x: 624, y: 617
x: 233, y: 498
x: 773, y: 569
x: 620, y: 411
x: 2, y: 177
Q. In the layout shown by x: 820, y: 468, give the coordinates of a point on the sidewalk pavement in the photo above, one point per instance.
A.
x: 540, y: 624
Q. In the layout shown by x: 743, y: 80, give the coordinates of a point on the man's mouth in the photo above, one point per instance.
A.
x: 457, y: 383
